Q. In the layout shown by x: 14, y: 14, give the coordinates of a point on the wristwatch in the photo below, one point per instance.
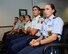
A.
x: 39, y: 42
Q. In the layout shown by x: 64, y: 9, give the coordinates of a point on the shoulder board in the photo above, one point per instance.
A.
x: 55, y: 17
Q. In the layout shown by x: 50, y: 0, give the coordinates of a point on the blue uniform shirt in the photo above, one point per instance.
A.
x: 55, y: 25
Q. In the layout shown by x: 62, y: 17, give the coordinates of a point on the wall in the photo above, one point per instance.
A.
x: 61, y: 6
x: 3, y: 30
x: 10, y: 8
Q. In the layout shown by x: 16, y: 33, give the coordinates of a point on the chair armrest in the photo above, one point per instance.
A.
x: 53, y: 45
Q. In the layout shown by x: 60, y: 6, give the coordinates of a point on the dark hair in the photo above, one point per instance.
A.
x: 29, y: 17
x: 16, y: 18
x: 36, y: 7
x: 53, y: 7
x: 23, y: 16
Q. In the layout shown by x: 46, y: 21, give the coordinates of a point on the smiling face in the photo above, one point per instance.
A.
x: 48, y: 10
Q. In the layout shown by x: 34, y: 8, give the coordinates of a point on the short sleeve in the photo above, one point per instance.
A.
x: 17, y: 25
x: 39, y: 24
x: 57, y: 26
x: 27, y: 25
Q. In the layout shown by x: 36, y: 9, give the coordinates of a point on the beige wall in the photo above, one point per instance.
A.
x: 3, y: 30
x: 10, y: 9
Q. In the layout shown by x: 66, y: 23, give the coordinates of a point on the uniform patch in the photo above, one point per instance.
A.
x: 41, y: 20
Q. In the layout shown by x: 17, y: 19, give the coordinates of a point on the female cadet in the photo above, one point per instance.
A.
x: 28, y: 20
x: 33, y: 29
x: 51, y: 30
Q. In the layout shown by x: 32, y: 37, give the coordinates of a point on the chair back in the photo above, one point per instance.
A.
x: 64, y: 36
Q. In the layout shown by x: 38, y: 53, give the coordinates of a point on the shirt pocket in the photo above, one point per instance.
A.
x: 49, y: 26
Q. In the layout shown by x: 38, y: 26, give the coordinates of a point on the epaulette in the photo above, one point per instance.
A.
x: 55, y: 17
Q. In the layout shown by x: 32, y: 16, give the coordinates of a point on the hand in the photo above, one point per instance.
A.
x: 28, y: 29
x: 23, y: 28
x: 9, y: 33
x: 33, y: 41
x: 35, y: 44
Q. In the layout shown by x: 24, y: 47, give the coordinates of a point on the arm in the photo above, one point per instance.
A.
x: 49, y: 39
x: 40, y: 38
x: 15, y: 30
x: 28, y: 29
x: 44, y: 41
x: 36, y: 40
x: 57, y: 29
x: 33, y: 31
x: 36, y: 27
x: 23, y: 29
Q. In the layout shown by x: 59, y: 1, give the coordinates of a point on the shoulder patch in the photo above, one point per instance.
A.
x: 41, y: 20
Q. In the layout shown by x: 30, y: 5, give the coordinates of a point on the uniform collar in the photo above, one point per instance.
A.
x: 51, y: 17
x: 38, y: 16
x: 28, y: 22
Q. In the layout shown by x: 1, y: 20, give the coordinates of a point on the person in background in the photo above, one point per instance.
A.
x: 15, y: 33
x: 20, y: 25
x: 11, y: 31
x: 33, y: 30
x: 24, y: 34
x: 51, y: 33
x: 28, y: 21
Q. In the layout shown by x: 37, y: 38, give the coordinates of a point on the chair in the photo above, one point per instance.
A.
x: 63, y: 44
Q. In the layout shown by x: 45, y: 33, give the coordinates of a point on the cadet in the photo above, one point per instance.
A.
x: 28, y: 22
x: 51, y: 30
x: 23, y: 33
x: 9, y: 32
x: 15, y: 32
x: 33, y: 29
